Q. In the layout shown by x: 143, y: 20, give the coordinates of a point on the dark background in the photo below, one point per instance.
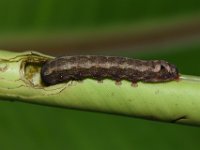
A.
x: 143, y: 29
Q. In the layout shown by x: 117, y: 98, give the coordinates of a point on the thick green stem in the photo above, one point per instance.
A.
x: 176, y: 101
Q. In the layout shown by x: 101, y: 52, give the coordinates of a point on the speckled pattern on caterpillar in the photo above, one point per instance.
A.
x: 66, y: 68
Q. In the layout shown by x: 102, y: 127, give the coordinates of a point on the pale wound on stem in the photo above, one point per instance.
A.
x: 30, y: 70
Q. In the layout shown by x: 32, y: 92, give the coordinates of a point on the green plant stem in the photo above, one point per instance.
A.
x: 176, y: 101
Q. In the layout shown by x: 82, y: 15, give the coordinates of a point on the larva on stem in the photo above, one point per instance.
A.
x: 66, y: 68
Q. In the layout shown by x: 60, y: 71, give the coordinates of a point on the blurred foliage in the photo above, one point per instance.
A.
x: 26, y: 126
x: 52, y: 14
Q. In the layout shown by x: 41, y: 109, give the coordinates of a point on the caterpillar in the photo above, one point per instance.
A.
x: 80, y: 67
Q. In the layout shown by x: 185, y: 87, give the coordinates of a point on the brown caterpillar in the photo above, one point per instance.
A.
x: 66, y: 68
